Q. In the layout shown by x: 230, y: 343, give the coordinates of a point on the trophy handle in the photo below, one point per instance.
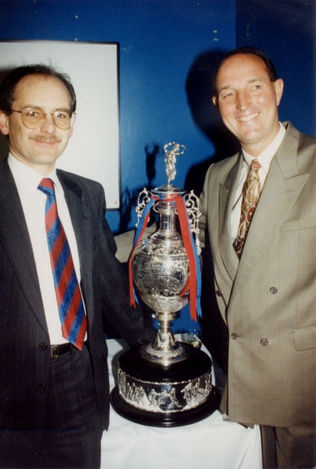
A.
x: 143, y: 199
x: 192, y: 204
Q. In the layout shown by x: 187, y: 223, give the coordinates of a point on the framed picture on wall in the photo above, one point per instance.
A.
x: 94, y: 150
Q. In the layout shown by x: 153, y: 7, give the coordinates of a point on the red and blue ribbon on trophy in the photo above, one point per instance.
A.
x: 193, y: 286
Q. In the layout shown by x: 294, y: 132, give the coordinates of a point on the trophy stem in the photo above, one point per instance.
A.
x: 164, y: 350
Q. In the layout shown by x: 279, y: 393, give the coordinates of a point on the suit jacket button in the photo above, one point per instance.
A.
x: 43, y: 347
x: 219, y: 293
x: 273, y: 290
x: 234, y: 335
x: 264, y: 341
x: 41, y: 388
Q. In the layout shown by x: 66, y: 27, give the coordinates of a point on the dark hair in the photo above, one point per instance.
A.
x: 250, y: 51
x: 8, y: 85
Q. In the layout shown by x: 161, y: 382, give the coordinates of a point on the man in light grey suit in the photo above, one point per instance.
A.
x: 267, y: 295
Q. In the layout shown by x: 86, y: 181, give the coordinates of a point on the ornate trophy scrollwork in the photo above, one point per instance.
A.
x: 166, y: 383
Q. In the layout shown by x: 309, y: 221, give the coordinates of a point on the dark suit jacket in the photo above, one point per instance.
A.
x: 24, y: 340
x: 268, y: 299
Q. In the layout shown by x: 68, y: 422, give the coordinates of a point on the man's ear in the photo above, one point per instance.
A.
x: 215, y: 100
x: 4, y: 123
x: 278, y: 87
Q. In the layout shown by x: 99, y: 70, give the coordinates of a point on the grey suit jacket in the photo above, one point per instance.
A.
x: 24, y: 340
x: 268, y: 299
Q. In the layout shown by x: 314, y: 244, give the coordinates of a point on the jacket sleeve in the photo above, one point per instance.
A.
x: 119, y: 318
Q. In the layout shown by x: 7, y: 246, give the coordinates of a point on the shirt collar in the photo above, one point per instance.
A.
x: 268, y: 153
x: 26, y: 177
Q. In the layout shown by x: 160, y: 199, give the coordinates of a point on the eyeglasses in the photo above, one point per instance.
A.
x: 33, y: 118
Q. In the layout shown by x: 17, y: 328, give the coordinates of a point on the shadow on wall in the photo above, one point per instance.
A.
x: 199, y: 89
x: 129, y: 198
x: 199, y: 86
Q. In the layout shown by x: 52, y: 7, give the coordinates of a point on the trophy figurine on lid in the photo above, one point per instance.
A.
x: 166, y: 383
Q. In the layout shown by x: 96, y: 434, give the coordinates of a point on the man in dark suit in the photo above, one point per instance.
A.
x: 54, y: 396
x: 259, y: 211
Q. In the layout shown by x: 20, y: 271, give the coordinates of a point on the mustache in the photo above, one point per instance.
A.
x: 46, y: 139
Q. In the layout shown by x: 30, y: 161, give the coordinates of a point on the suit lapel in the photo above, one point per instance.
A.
x: 17, y: 245
x: 226, y: 198
x: 16, y: 242
x: 283, y: 185
x: 83, y: 228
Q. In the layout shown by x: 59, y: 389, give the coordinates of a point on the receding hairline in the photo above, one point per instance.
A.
x: 42, y: 76
x: 237, y: 53
x: 14, y: 77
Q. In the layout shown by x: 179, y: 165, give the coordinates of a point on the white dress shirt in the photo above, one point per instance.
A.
x: 33, y: 203
x: 264, y: 159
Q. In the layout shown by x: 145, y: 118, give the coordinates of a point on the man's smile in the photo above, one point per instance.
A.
x: 249, y: 117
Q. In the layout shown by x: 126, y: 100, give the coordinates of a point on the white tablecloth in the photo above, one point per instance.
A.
x: 212, y: 443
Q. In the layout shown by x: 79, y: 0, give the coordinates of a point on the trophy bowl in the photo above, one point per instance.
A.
x: 167, y: 382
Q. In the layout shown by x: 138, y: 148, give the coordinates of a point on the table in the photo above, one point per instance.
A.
x: 213, y: 443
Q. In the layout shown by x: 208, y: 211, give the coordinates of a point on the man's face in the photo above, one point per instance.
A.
x: 248, y: 101
x: 40, y: 147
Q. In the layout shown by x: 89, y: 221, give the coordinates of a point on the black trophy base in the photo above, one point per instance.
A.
x: 165, y: 396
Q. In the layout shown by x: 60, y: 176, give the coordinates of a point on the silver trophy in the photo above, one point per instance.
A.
x: 167, y: 382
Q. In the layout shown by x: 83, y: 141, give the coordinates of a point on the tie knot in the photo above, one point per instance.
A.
x: 255, y: 164
x: 47, y: 186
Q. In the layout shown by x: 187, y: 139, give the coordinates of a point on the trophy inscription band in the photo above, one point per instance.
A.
x: 186, y: 386
x: 157, y: 397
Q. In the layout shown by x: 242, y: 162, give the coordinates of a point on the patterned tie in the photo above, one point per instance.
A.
x: 70, y: 306
x: 250, y: 195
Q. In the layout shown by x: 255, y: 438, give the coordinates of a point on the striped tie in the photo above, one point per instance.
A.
x: 70, y: 306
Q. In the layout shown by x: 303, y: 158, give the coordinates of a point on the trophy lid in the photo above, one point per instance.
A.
x: 168, y: 189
